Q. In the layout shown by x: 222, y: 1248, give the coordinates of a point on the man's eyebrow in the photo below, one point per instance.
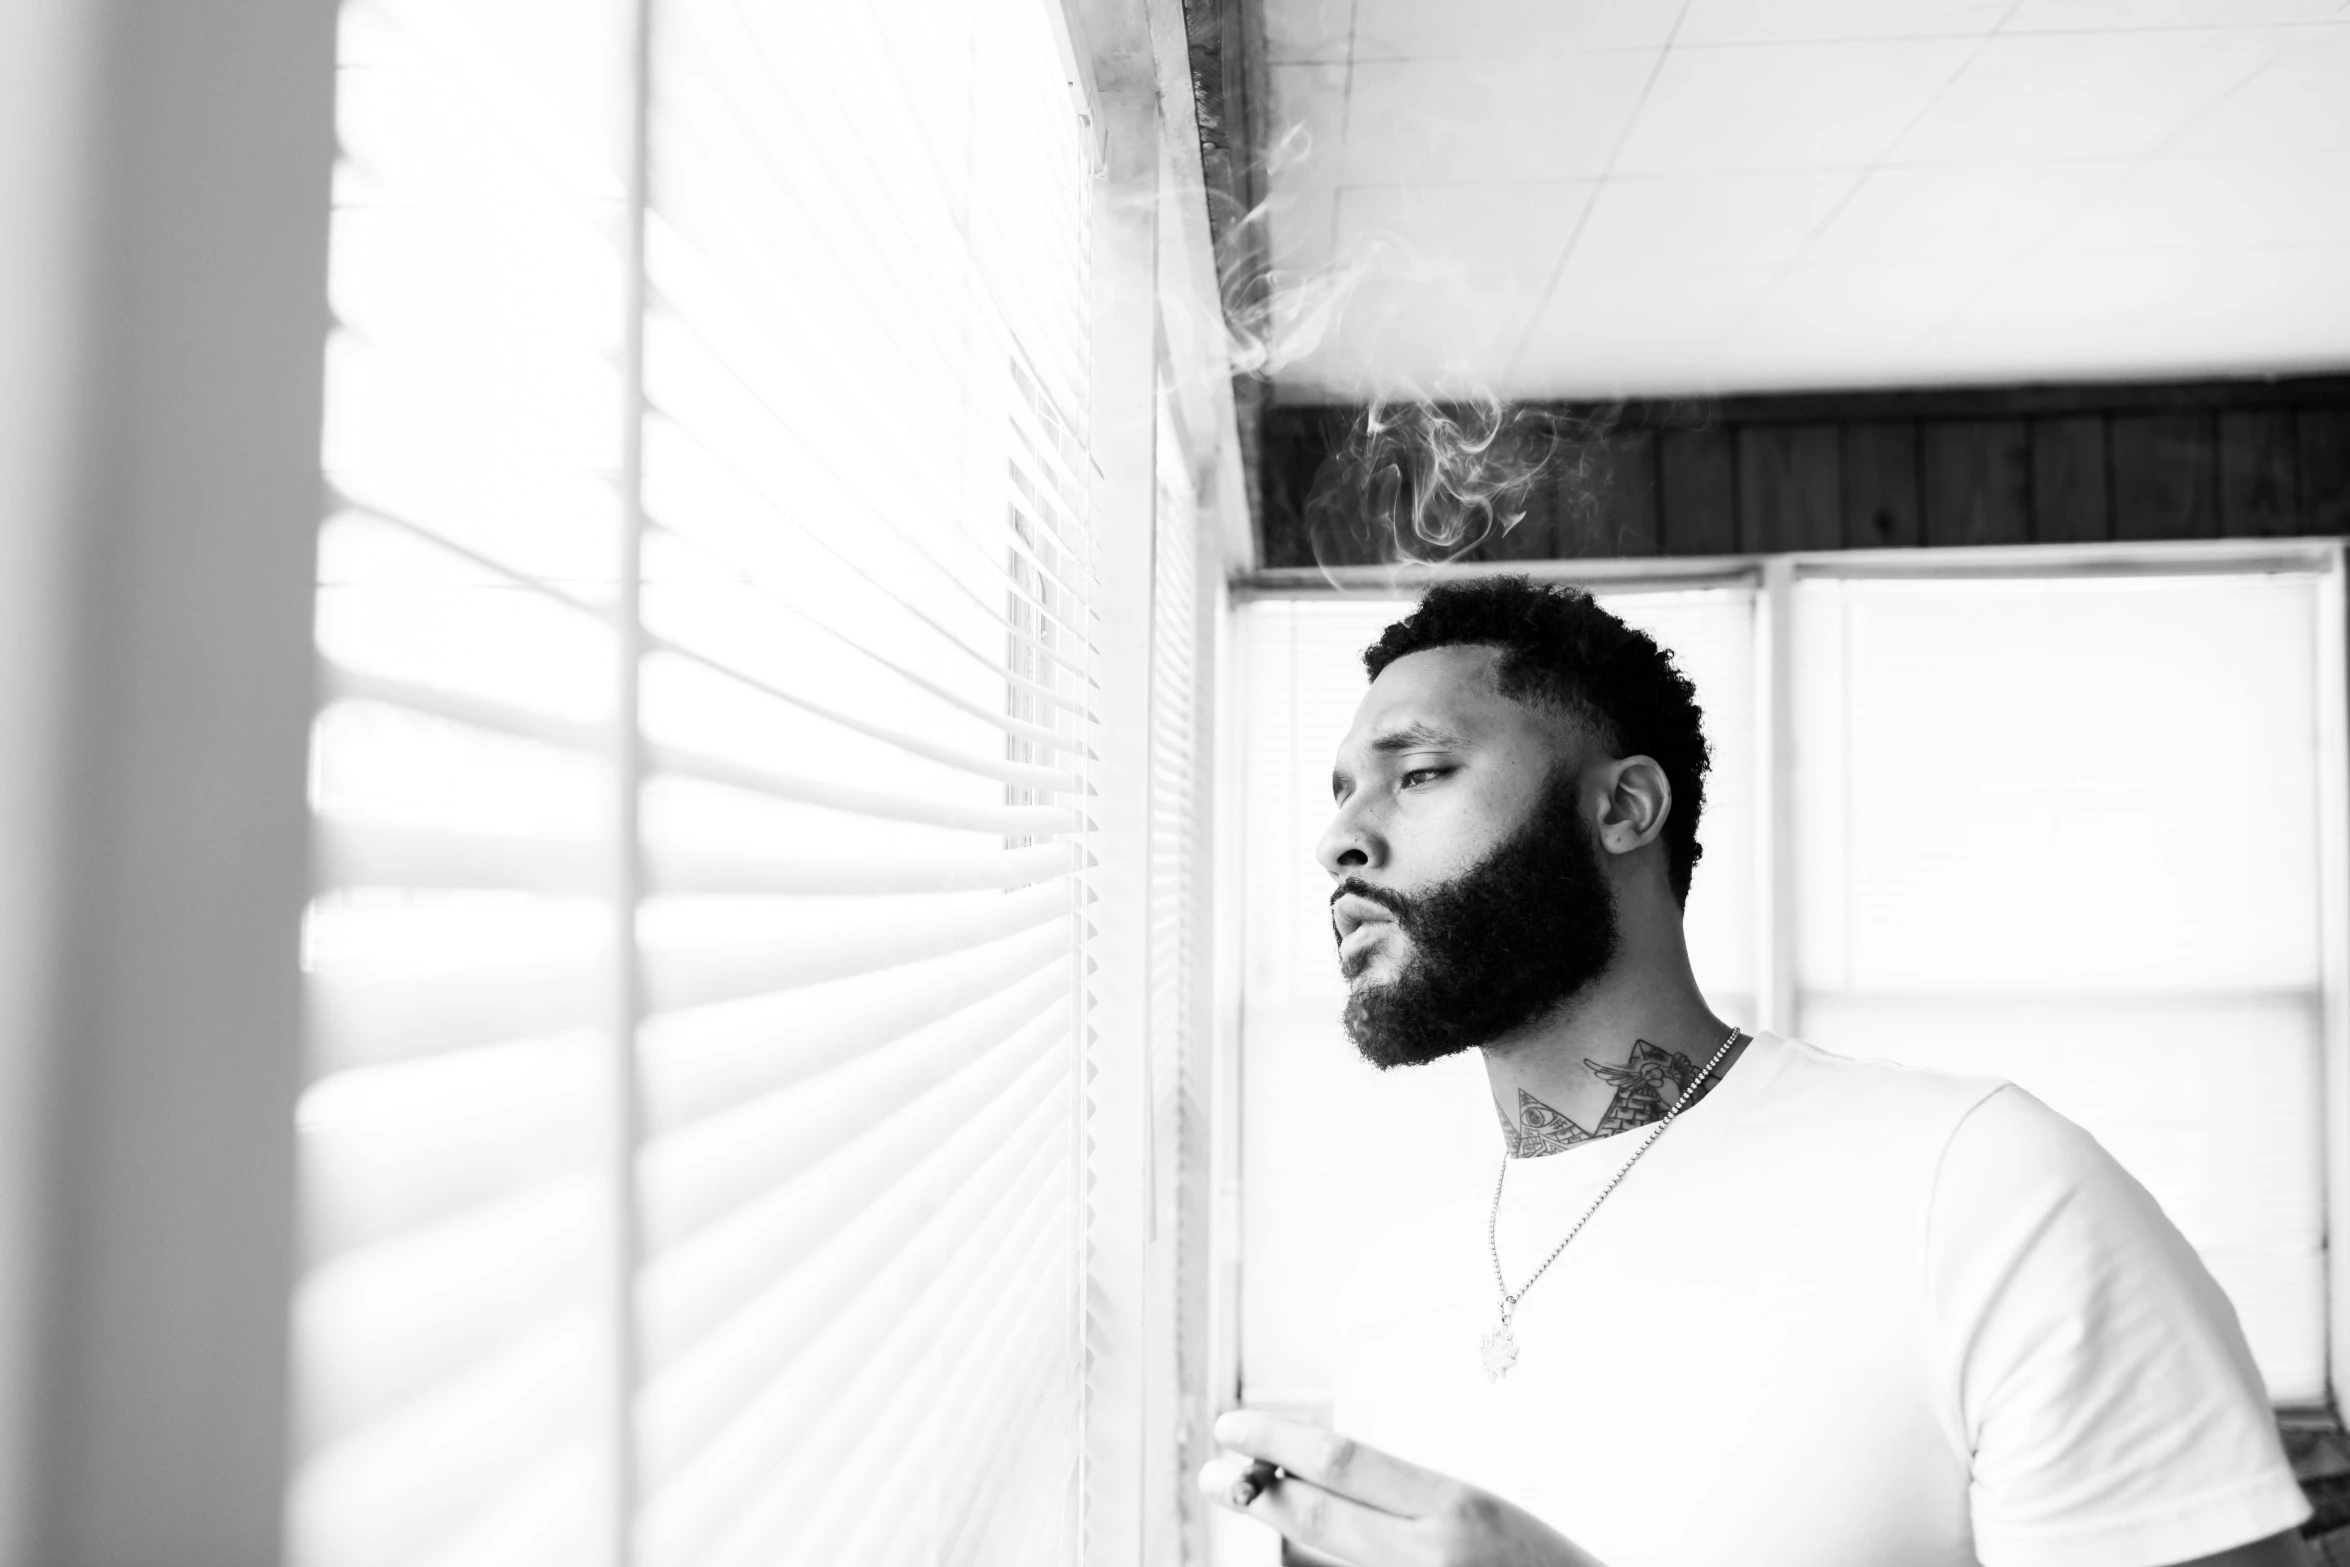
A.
x: 1414, y: 737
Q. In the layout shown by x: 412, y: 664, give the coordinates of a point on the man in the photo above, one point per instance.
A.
x: 1737, y: 1300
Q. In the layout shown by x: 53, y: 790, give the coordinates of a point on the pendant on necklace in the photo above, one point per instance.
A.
x: 1500, y: 1352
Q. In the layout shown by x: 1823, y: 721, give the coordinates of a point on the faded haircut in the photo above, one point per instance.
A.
x: 1559, y: 649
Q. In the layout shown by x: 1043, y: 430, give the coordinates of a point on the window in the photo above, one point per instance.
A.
x: 700, y: 1158
x: 1964, y: 813
x: 2072, y: 832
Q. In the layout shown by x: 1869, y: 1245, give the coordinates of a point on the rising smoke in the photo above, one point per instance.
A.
x: 1417, y: 479
x: 1419, y: 482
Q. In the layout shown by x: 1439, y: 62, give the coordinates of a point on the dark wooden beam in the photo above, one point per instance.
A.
x: 2071, y: 503
x: 1865, y: 470
x: 1882, y: 508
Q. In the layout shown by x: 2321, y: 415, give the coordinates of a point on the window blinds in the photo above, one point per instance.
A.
x: 691, y: 1163
x: 1327, y: 1145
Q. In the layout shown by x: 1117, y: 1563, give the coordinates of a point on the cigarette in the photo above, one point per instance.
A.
x: 1256, y: 1482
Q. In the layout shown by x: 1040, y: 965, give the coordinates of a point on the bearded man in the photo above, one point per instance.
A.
x: 1737, y: 1300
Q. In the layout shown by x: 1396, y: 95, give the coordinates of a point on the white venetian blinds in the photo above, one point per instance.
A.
x: 692, y: 1161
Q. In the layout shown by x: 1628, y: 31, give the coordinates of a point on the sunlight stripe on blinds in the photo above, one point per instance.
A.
x: 869, y: 584
x: 453, y: 1346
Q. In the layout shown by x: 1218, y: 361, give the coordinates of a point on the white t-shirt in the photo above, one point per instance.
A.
x: 1844, y: 1314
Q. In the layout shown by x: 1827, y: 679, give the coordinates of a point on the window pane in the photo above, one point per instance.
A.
x: 2065, y: 832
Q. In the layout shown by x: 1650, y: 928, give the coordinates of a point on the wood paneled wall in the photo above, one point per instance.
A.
x: 2041, y: 464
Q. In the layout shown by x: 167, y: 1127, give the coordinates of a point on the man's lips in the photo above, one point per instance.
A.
x: 1351, y: 911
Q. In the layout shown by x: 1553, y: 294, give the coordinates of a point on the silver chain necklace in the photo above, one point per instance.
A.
x: 1500, y: 1347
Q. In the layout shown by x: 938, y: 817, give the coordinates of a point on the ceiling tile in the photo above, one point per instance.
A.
x: 1947, y: 211
x: 2180, y: 314
x: 1301, y: 227
x: 1307, y: 29
x: 1655, y: 332
x: 1418, y: 30
x: 1309, y: 111
x: 1306, y: 138
x: 1783, y: 21
x: 1733, y: 220
x: 2070, y: 296
x: 1509, y: 233
x: 2217, y: 204
x: 1818, y: 324
x: 2298, y: 102
x: 2076, y: 95
x: 1786, y: 106
x: 2086, y: 16
x: 1542, y: 117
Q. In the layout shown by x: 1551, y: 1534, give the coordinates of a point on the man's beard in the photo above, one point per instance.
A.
x: 1508, y: 940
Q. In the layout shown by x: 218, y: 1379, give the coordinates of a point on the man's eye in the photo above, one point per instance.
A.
x: 1417, y: 774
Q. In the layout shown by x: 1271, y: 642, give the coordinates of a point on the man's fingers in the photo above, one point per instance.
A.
x: 1336, y: 1463
x: 1305, y: 1512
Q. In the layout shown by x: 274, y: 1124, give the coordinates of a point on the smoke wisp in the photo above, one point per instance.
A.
x: 1423, y: 483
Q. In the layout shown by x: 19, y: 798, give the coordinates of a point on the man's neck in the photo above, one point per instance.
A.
x: 1616, y: 1058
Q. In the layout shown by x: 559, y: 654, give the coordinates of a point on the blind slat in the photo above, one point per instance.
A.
x: 388, y: 854
x: 358, y: 1020
x: 1006, y: 821
x: 895, y: 932
x: 677, y: 869
x: 474, y: 712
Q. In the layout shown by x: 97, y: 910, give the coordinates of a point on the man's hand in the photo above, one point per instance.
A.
x: 1364, y: 1506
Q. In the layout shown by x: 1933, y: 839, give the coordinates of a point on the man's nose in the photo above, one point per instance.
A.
x: 1349, y: 844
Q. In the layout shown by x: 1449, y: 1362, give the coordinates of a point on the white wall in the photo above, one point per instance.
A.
x: 164, y: 167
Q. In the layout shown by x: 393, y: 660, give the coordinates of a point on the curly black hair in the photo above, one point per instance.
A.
x: 1558, y: 647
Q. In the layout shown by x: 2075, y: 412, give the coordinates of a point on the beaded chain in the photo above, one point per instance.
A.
x: 1509, y: 1301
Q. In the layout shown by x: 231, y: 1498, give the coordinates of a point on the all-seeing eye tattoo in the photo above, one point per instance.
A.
x: 1540, y: 1130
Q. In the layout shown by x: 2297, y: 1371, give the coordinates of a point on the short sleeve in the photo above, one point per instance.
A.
x: 2097, y: 1375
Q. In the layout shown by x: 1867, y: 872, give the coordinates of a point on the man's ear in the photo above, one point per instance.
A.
x: 1633, y: 809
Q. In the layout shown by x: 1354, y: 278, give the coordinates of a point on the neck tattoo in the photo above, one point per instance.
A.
x: 1646, y: 1087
